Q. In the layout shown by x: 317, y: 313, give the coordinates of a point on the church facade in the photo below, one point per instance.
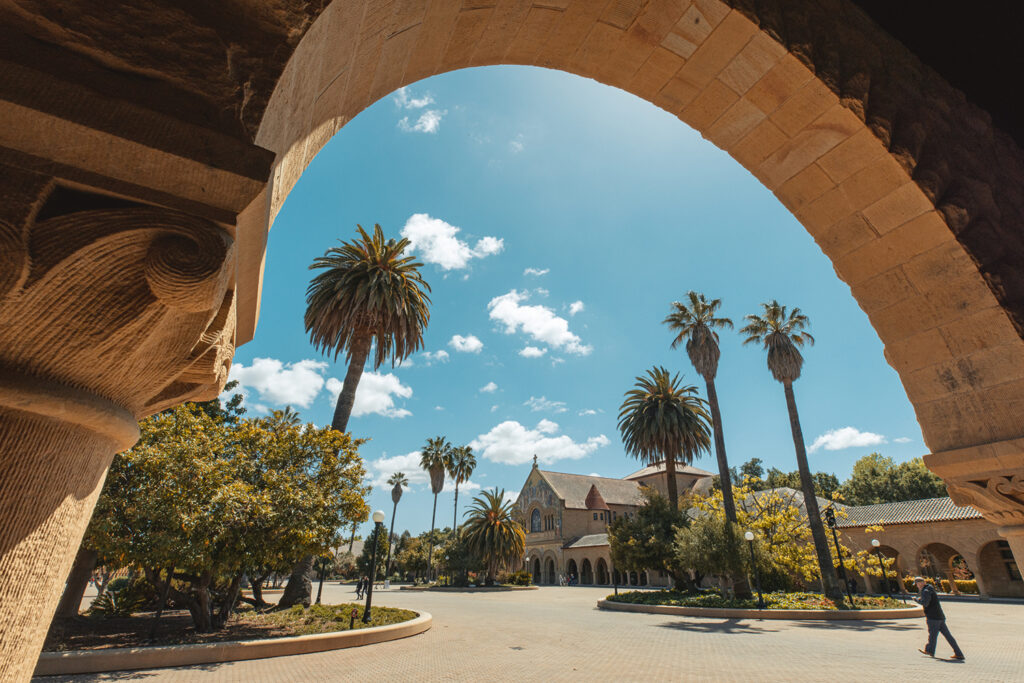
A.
x: 567, y: 517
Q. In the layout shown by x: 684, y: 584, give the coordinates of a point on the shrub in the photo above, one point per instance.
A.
x: 519, y: 578
x: 118, y: 583
x: 118, y: 603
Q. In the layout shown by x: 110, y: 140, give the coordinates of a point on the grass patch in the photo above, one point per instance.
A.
x: 97, y: 632
x: 772, y: 600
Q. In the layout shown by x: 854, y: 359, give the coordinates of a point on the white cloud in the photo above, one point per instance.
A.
x: 375, y: 395
x: 513, y: 444
x: 540, y: 291
x: 902, y: 439
x: 846, y: 437
x: 431, y: 357
x: 494, y: 409
x: 511, y: 497
x: 409, y: 464
x: 438, y: 407
x: 532, y: 352
x: 538, y: 404
x: 428, y: 122
x: 576, y: 307
x: 279, y: 383
x: 489, y: 388
x: 436, y: 242
x: 516, y: 145
x: 405, y: 100
x: 536, y: 272
x: 588, y: 411
x: 539, y: 322
x: 468, y: 344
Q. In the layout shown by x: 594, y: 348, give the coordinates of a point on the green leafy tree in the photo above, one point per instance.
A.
x: 460, y: 466
x: 397, y: 482
x: 696, y: 322
x: 492, y: 533
x: 434, y: 459
x: 711, y: 546
x: 645, y: 539
x: 663, y: 420
x: 877, y: 479
x: 369, y: 292
x: 780, y: 333
x: 825, y: 484
x: 207, y: 501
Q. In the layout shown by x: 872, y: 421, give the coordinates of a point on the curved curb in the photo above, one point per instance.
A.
x: 127, y: 658
x: 786, y: 614
x: 467, y: 589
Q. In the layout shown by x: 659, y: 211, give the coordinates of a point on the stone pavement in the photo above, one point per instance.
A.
x: 558, y: 634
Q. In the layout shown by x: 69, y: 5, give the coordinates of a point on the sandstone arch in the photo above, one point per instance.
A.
x: 910, y: 191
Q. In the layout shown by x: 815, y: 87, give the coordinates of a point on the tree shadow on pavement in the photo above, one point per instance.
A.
x: 851, y: 625
x: 727, y: 626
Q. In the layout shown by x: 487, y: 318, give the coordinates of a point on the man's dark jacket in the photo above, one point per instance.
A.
x: 930, y: 601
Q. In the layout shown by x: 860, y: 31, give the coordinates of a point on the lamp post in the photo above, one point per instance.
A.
x: 881, y: 563
x: 757, y: 570
x: 830, y: 518
x: 378, y: 524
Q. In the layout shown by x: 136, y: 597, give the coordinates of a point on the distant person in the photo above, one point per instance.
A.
x: 935, y: 618
x: 359, y: 588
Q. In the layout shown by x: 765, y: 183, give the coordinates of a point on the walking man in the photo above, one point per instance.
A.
x: 935, y: 618
x: 359, y: 588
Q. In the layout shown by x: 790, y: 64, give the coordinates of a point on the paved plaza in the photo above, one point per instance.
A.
x: 557, y: 634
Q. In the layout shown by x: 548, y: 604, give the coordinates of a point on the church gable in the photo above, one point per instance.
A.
x: 537, y: 491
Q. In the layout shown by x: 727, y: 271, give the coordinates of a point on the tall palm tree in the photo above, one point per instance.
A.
x: 781, y: 333
x: 396, y: 481
x: 492, y: 532
x: 434, y: 458
x: 285, y: 418
x: 661, y: 419
x: 460, y: 468
x: 695, y: 322
x: 368, y: 292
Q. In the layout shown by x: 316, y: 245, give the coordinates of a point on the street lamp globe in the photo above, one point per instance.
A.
x: 749, y: 535
x: 378, y: 516
x: 875, y: 543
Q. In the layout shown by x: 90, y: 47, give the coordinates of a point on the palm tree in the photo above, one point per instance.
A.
x: 781, y: 333
x: 660, y: 419
x: 434, y: 459
x: 460, y: 468
x: 696, y: 323
x: 285, y: 418
x: 492, y: 532
x: 396, y: 481
x: 367, y: 293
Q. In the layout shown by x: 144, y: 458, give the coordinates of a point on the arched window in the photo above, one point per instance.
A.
x: 535, y: 520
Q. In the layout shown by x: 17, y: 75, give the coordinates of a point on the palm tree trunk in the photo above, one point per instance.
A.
x: 430, y: 551
x: 723, y: 462
x: 828, y: 571
x: 455, y: 518
x: 391, y: 534
x: 671, y: 483
x: 347, y: 397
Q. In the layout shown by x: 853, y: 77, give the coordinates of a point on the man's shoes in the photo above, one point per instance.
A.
x: 959, y: 658
x: 925, y: 652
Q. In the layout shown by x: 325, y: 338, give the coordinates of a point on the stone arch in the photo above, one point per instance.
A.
x: 895, y: 188
x: 535, y: 523
x: 550, y: 570
x: 998, y: 573
x: 572, y: 570
x: 601, y: 576
x: 936, y: 560
x: 586, y: 572
x: 535, y: 570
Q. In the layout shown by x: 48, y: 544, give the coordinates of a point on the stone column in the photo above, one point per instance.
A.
x: 1014, y: 535
x: 106, y: 316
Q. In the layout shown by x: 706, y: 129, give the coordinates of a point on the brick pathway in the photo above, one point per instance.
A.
x: 558, y: 634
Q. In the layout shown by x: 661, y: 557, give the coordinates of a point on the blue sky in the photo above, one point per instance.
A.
x: 558, y: 219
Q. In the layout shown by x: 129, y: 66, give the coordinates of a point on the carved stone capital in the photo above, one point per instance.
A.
x: 1000, y: 499
x: 131, y: 306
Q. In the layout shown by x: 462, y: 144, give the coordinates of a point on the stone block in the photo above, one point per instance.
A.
x: 715, y: 53
x: 883, y: 290
x: 828, y: 209
x: 873, y: 182
x: 533, y: 36
x: 934, y: 267
x: 781, y: 81
x: 899, y: 206
x: 501, y: 31
x: 804, y: 187
x: 853, y: 154
x: 799, y: 152
x: 961, y: 297
x: 804, y: 106
x: 631, y: 53
x: 465, y: 36
x: 689, y: 32
x: 431, y: 41
x: 676, y: 94
x: 982, y: 330
x: 568, y: 31
x: 393, y: 60
x: 752, y: 63
x: 734, y: 123
x: 597, y: 49
x: 708, y: 106
x: 904, y: 319
x: 918, y: 351
x: 845, y: 236
x: 652, y: 76
x: 758, y: 145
